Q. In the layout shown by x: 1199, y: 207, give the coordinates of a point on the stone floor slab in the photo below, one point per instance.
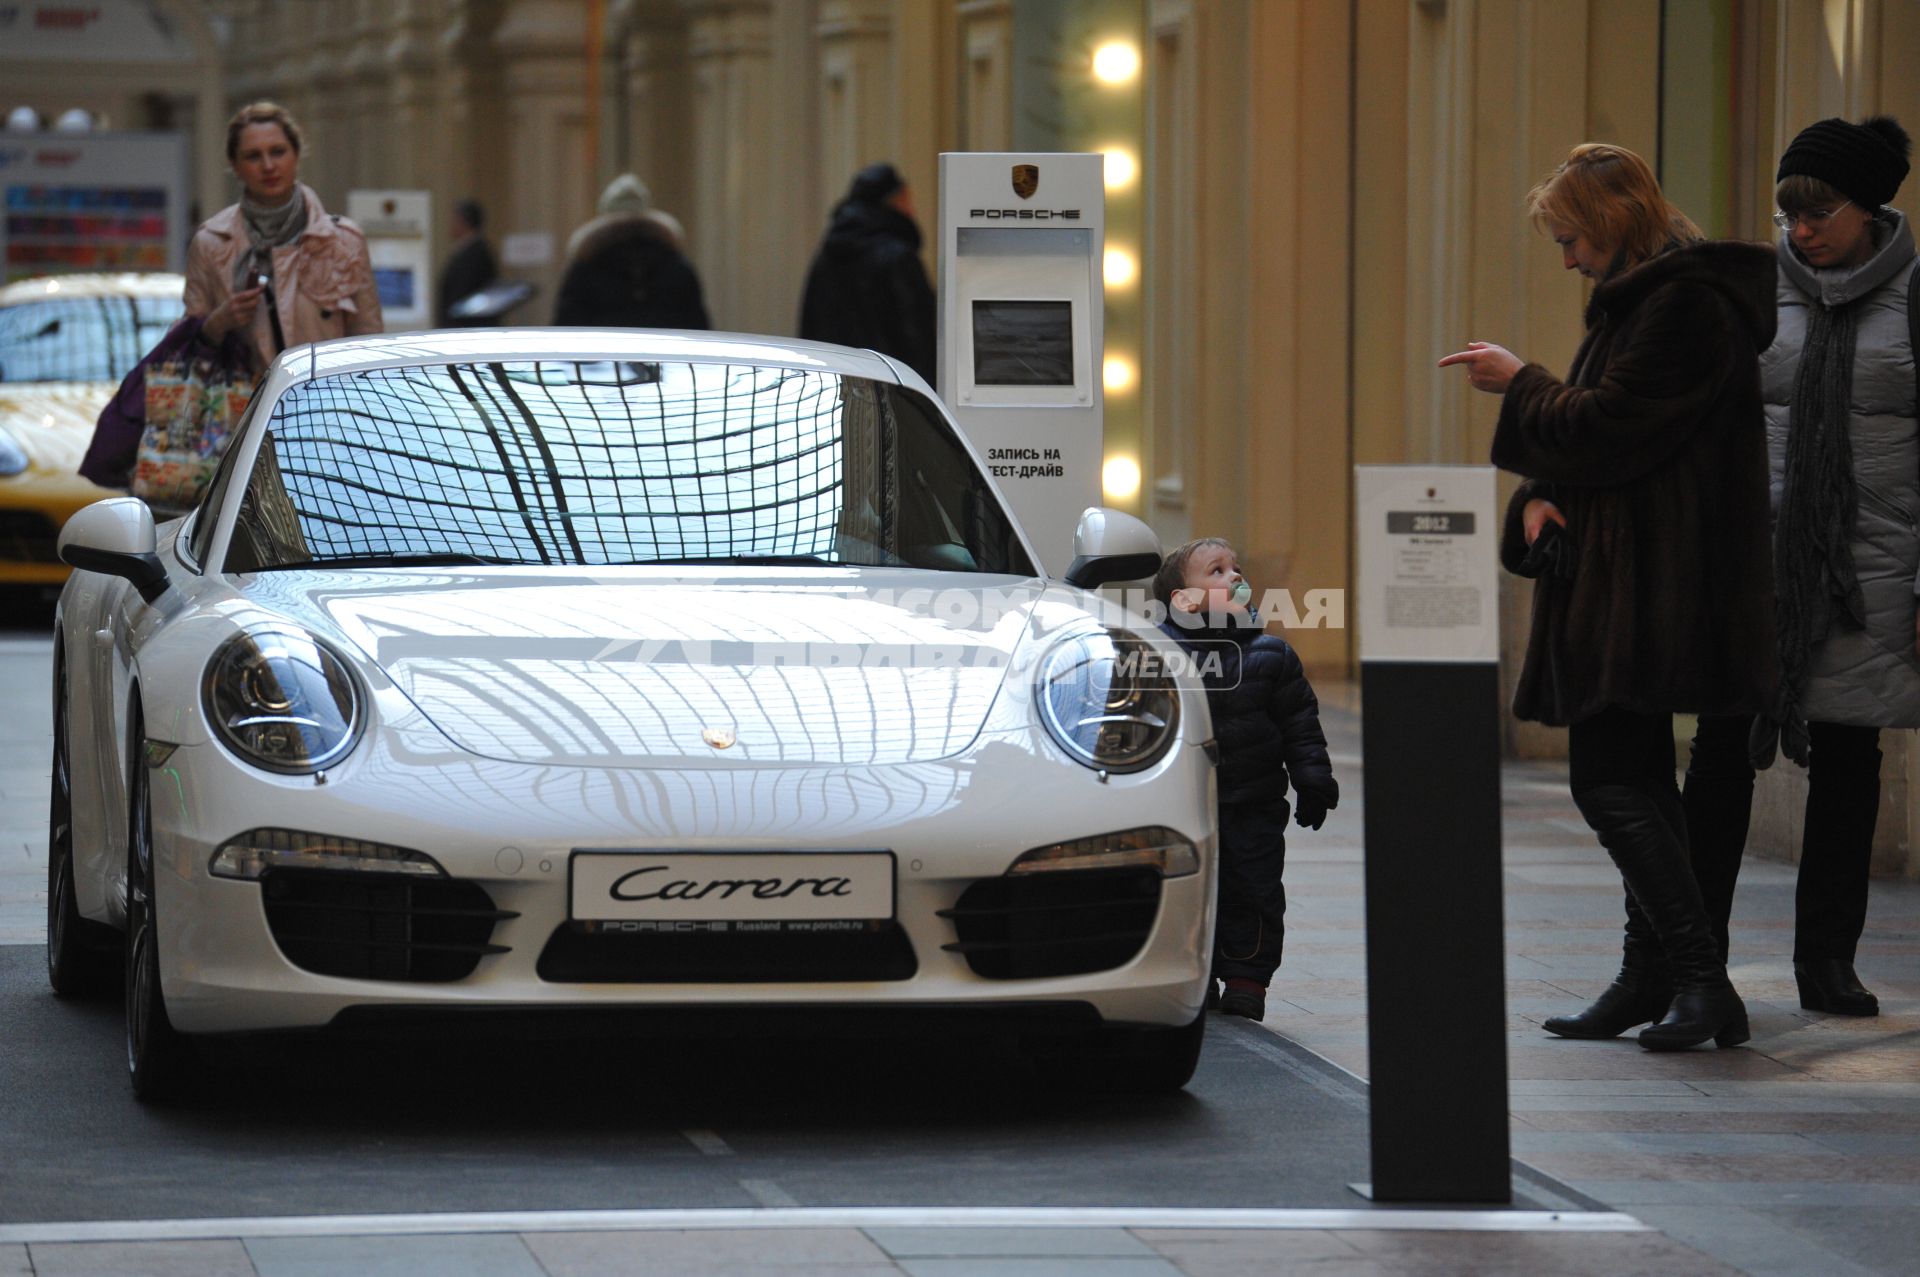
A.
x: 708, y: 1251
x: 451, y: 1255
x: 950, y: 1243
x: 148, y: 1259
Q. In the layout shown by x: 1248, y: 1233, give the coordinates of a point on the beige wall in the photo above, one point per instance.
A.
x: 1332, y: 191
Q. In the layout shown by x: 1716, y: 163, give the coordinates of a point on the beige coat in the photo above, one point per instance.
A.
x: 323, y: 281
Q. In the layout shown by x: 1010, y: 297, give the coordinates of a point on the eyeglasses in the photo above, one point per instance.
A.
x: 1814, y: 219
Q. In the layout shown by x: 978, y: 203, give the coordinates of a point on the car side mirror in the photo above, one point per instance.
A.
x: 116, y: 537
x: 1110, y: 545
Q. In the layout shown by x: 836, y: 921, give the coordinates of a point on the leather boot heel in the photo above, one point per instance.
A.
x: 1830, y: 985
x: 1698, y: 1014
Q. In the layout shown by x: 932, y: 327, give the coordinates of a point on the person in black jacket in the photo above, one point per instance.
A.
x: 1266, y: 721
x: 866, y: 287
x: 470, y: 267
x: 627, y: 268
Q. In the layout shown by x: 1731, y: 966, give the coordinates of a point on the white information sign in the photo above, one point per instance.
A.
x: 399, y: 230
x: 1428, y: 563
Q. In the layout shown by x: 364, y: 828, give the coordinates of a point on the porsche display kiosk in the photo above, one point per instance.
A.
x: 1022, y: 238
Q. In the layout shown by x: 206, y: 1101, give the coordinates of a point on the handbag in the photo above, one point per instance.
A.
x: 194, y: 398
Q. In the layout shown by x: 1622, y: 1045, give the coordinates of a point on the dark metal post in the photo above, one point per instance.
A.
x: 1436, y: 977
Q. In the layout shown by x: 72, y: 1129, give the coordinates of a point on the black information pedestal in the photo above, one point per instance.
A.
x: 1436, y: 975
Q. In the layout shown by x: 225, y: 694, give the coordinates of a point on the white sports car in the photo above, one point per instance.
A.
x: 578, y: 671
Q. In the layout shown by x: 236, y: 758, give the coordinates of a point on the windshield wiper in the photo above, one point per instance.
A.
x: 448, y: 558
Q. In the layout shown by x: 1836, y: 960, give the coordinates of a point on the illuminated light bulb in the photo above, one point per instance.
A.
x: 1121, y: 169
x: 1116, y: 63
x: 1119, y: 268
x: 1120, y: 477
x: 1117, y: 373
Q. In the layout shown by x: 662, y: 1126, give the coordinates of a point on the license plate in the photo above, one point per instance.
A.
x: 731, y: 887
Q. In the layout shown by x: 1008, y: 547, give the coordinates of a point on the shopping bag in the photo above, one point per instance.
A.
x: 193, y: 404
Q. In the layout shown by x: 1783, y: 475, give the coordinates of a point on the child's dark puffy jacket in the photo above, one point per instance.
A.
x: 1266, y: 718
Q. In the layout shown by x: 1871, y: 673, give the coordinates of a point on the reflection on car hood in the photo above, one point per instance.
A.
x: 629, y: 667
x: 53, y: 420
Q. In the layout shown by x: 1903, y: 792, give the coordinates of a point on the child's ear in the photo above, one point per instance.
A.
x: 1189, y: 599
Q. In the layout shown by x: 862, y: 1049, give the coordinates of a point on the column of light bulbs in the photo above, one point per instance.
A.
x: 1117, y: 63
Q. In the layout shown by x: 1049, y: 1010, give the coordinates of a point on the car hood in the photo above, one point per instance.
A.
x: 631, y: 667
x: 53, y: 420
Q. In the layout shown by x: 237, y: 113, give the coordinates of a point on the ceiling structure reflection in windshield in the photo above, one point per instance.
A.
x: 596, y: 464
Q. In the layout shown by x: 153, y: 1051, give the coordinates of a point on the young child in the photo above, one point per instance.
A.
x: 1266, y: 722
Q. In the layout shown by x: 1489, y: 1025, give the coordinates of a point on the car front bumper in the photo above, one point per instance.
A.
x: 511, y: 828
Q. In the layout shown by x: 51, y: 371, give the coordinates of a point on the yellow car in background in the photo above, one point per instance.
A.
x: 66, y: 342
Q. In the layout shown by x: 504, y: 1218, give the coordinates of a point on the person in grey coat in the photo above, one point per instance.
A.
x: 1843, y: 435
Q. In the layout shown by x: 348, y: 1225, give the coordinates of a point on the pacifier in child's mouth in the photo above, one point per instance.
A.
x: 1242, y: 594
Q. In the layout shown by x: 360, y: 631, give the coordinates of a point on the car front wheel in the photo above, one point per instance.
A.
x: 79, y: 952
x: 158, y: 1056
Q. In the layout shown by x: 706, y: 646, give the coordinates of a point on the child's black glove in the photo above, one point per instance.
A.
x: 1310, y: 807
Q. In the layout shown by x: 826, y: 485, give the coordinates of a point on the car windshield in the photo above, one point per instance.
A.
x: 81, y: 338
x: 614, y: 463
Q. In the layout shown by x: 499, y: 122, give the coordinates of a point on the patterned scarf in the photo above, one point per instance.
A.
x: 268, y: 229
x: 1812, y: 543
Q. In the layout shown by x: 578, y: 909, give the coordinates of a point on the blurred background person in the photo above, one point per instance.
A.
x: 277, y: 242
x: 628, y: 267
x: 470, y: 266
x: 1843, y: 434
x: 866, y: 287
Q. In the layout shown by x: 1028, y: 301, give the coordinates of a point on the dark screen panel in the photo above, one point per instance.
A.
x: 1022, y: 343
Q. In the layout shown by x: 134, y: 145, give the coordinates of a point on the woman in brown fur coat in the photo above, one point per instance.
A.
x: 1644, y: 519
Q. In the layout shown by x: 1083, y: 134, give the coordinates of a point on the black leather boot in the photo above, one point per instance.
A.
x: 1641, y: 992
x: 1718, y: 800
x: 1830, y: 985
x: 1651, y: 852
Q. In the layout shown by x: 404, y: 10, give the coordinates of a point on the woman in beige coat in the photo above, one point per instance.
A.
x: 278, y: 238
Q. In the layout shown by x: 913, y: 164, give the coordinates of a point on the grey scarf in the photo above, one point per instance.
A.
x: 268, y: 229
x: 1812, y: 544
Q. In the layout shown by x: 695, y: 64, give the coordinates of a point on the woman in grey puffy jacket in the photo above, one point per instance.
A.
x: 1843, y: 436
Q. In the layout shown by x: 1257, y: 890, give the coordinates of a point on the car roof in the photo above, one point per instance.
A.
x: 486, y: 345
x: 124, y: 284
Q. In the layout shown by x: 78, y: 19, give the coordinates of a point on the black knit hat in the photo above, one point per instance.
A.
x: 1866, y: 162
x: 875, y: 183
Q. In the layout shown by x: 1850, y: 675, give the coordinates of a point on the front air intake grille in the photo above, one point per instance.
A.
x: 736, y: 954
x: 1048, y: 924
x: 379, y: 926
x: 27, y: 536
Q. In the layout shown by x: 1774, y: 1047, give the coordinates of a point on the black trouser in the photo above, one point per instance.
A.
x: 1836, y: 842
x: 1620, y: 769
x: 1251, y: 924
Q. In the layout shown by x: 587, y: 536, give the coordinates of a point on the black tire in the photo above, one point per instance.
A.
x: 1119, y: 1061
x: 160, y: 1059
x: 80, y: 954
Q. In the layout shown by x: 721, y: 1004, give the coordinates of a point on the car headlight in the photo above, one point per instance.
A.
x: 13, y: 458
x: 283, y: 701
x: 1154, y: 846
x: 253, y: 853
x: 1106, y: 697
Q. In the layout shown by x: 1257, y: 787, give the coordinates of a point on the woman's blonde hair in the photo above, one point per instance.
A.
x: 261, y: 113
x: 1610, y: 195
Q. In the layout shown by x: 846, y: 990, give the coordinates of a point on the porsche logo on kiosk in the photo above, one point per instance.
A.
x: 1026, y: 180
